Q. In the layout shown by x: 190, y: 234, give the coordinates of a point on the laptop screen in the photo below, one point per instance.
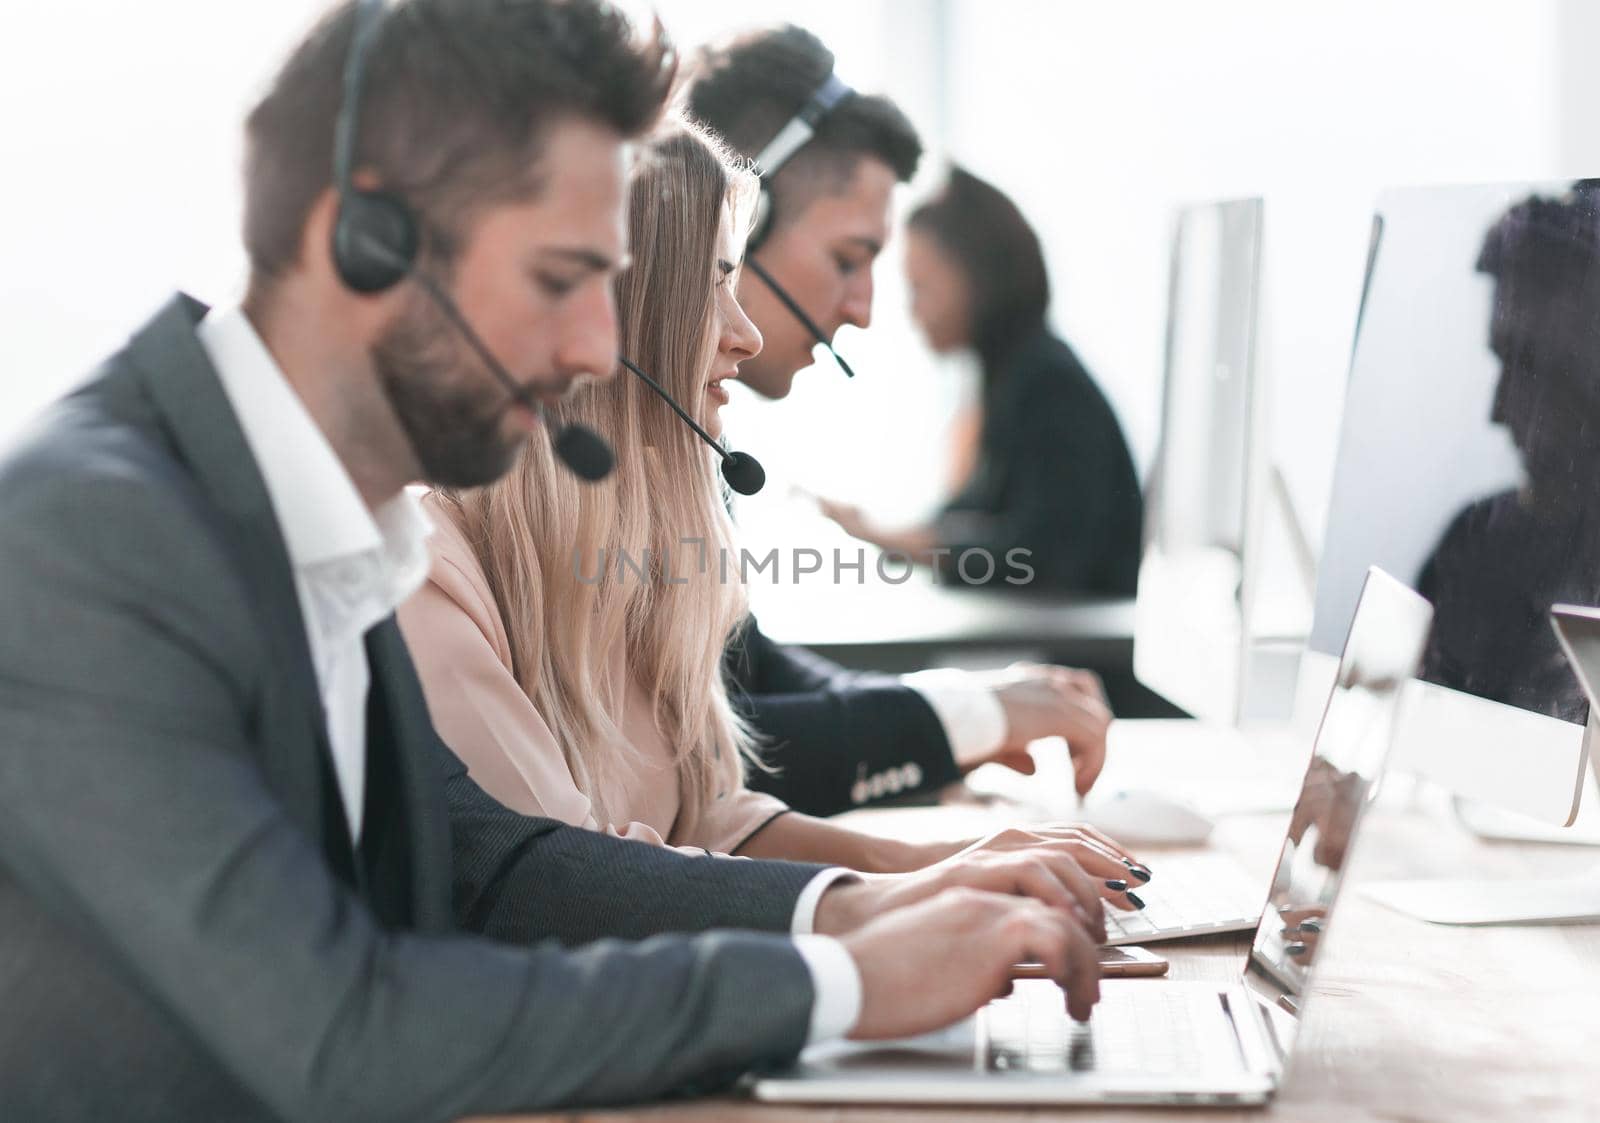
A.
x: 1381, y: 653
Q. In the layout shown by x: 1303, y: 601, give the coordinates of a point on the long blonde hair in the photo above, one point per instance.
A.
x: 560, y: 554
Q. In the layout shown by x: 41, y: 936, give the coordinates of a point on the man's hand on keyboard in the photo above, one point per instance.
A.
x: 933, y: 963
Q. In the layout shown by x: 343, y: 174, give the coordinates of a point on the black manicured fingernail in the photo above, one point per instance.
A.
x: 1134, y: 897
x: 1310, y: 926
x: 1137, y: 871
x: 1295, y: 949
x: 1117, y: 885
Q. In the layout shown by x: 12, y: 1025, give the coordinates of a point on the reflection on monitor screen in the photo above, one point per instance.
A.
x: 1471, y: 442
x: 1385, y: 641
x: 1189, y: 620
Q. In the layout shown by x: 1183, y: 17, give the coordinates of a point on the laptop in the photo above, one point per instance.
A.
x: 1157, y: 1041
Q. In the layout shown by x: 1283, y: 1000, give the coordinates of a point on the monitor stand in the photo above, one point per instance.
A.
x: 1477, y: 902
x: 1490, y: 903
x: 1496, y: 825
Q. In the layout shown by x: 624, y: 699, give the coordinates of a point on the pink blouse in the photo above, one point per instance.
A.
x: 463, y: 657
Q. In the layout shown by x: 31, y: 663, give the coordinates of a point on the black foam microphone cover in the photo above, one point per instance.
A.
x: 583, y: 451
x: 744, y: 473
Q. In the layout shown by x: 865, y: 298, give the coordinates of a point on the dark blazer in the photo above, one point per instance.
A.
x: 1054, y: 476
x: 186, y: 932
x: 834, y: 739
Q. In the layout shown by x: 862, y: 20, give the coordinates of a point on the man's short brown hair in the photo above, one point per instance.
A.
x: 748, y: 87
x: 458, y: 100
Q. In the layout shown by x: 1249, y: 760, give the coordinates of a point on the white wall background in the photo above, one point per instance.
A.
x: 1129, y: 110
x: 120, y: 126
x: 121, y: 121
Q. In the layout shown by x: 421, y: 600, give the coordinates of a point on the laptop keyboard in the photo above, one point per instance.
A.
x: 1197, y: 892
x: 1151, y: 1029
x: 1148, y: 1030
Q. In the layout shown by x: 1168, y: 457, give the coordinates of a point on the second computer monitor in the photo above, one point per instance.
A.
x: 1469, y: 464
x: 1189, y: 640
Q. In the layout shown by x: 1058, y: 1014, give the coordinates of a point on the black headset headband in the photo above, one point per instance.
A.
x: 795, y: 135
x: 800, y: 128
x: 375, y: 236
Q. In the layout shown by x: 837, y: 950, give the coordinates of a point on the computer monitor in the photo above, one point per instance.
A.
x: 1467, y: 465
x: 1201, y: 498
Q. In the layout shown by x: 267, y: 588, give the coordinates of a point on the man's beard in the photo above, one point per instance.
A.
x: 454, y: 428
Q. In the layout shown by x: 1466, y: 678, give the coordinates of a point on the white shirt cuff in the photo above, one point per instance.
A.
x: 804, y: 921
x: 837, y: 984
x: 974, y: 723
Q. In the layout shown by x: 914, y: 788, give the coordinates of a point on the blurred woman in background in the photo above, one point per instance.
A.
x: 1051, y: 474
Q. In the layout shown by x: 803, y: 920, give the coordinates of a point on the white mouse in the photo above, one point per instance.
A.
x: 1142, y: 816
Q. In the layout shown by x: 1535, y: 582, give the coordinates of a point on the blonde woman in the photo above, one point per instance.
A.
x: 570, y: 635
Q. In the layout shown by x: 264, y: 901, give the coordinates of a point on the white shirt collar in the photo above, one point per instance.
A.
x: 320, y: 512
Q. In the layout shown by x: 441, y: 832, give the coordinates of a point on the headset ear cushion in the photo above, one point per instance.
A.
x: 761, y: 221
x: 374, y: 241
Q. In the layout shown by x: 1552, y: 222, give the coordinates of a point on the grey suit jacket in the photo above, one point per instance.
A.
x: 185, y: 929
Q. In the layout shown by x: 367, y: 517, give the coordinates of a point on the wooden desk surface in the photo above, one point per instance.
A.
x: 1407, y: 1021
